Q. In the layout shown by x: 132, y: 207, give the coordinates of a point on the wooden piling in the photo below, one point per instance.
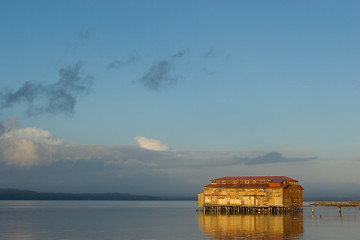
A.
x: 228, y: 209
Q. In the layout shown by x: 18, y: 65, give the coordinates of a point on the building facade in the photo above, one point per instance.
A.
x: 279, y: 192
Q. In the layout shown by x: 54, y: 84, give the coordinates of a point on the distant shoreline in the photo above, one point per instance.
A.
x: 337, y: 204
x: 16, y: 194
x: 20, y: 194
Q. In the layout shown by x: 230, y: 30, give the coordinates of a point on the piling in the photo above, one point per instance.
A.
x: 226, y: 209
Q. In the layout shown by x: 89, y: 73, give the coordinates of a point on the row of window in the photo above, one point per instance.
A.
x: 242, y: 181
x: 240, y: 189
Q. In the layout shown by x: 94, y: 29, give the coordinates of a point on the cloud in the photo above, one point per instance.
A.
x: 26, y: 146
x: 210, y: 52
x: 121, y: 63
x: 151, y: 144
x: 20, y: 152
x: 34, y: 158
x: 33, y: 134
x: 178, y: 54
x: 34, y: 146
x: 11, y: 123
x: 161, y: 73
x: 226, y: 159
x: 59, y: 97
x: 84, y: 37
x: 273, y: 157
x: 81, y: 40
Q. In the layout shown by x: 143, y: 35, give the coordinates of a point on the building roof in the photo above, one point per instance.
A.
x: 243, y: 186
x: 277, y: 180
x: 255, y: 178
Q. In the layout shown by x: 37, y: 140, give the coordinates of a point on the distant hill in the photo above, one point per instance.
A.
x: 16, y: 194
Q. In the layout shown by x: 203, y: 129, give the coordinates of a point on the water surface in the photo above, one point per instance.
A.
x: 40, y: 220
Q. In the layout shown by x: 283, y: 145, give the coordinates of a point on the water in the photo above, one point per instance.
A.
x: 40, y: 220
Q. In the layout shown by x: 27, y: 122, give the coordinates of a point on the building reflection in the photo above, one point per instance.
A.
x: 228, y: 226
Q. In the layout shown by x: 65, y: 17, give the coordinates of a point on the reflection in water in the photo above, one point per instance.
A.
x: 251, y: 226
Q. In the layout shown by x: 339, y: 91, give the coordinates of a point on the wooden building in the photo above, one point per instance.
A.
x: 271, y: 194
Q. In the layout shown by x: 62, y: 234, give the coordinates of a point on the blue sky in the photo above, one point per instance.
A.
x: 208, y: 80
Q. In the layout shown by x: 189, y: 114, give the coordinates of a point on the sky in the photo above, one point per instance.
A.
x: 159, y: 97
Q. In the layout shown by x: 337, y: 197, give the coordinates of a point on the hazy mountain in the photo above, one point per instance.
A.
x: 16, y: 194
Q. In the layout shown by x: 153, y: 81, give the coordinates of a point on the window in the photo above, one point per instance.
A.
x: 246, y: 181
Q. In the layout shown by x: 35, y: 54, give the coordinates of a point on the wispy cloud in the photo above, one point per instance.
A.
x: 84, y: 36
x: 80, y: 41
x: 222, y: 159
x: 59, y: 97
x: 161, y: 73
x: 210, y: 52
x: 122, y: 63
x: 10, y: 124
x: 273, y: 157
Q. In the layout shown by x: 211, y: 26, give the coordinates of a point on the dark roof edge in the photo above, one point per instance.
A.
x: 253, y: 178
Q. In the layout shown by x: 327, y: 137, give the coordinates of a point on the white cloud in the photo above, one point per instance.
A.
x: 28, y: 146
x: 34, y: 146
x: 33, y: 134
x: 21, y: 152
x: 151, y: 144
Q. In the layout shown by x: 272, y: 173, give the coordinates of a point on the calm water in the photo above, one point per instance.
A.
x: 40, y: 220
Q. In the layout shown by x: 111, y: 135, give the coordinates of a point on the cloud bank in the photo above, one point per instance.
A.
x: 273, y: 157
x: 34, y: 146
x: 59, y: 97
x: 35, y: 157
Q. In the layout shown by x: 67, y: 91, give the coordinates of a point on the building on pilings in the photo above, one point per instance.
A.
x: 252, y: 193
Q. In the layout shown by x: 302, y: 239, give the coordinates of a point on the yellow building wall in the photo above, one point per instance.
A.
x: 200, y: 200
x: 274, y: 197
x: 293, y: 196
x: 241, y: 197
